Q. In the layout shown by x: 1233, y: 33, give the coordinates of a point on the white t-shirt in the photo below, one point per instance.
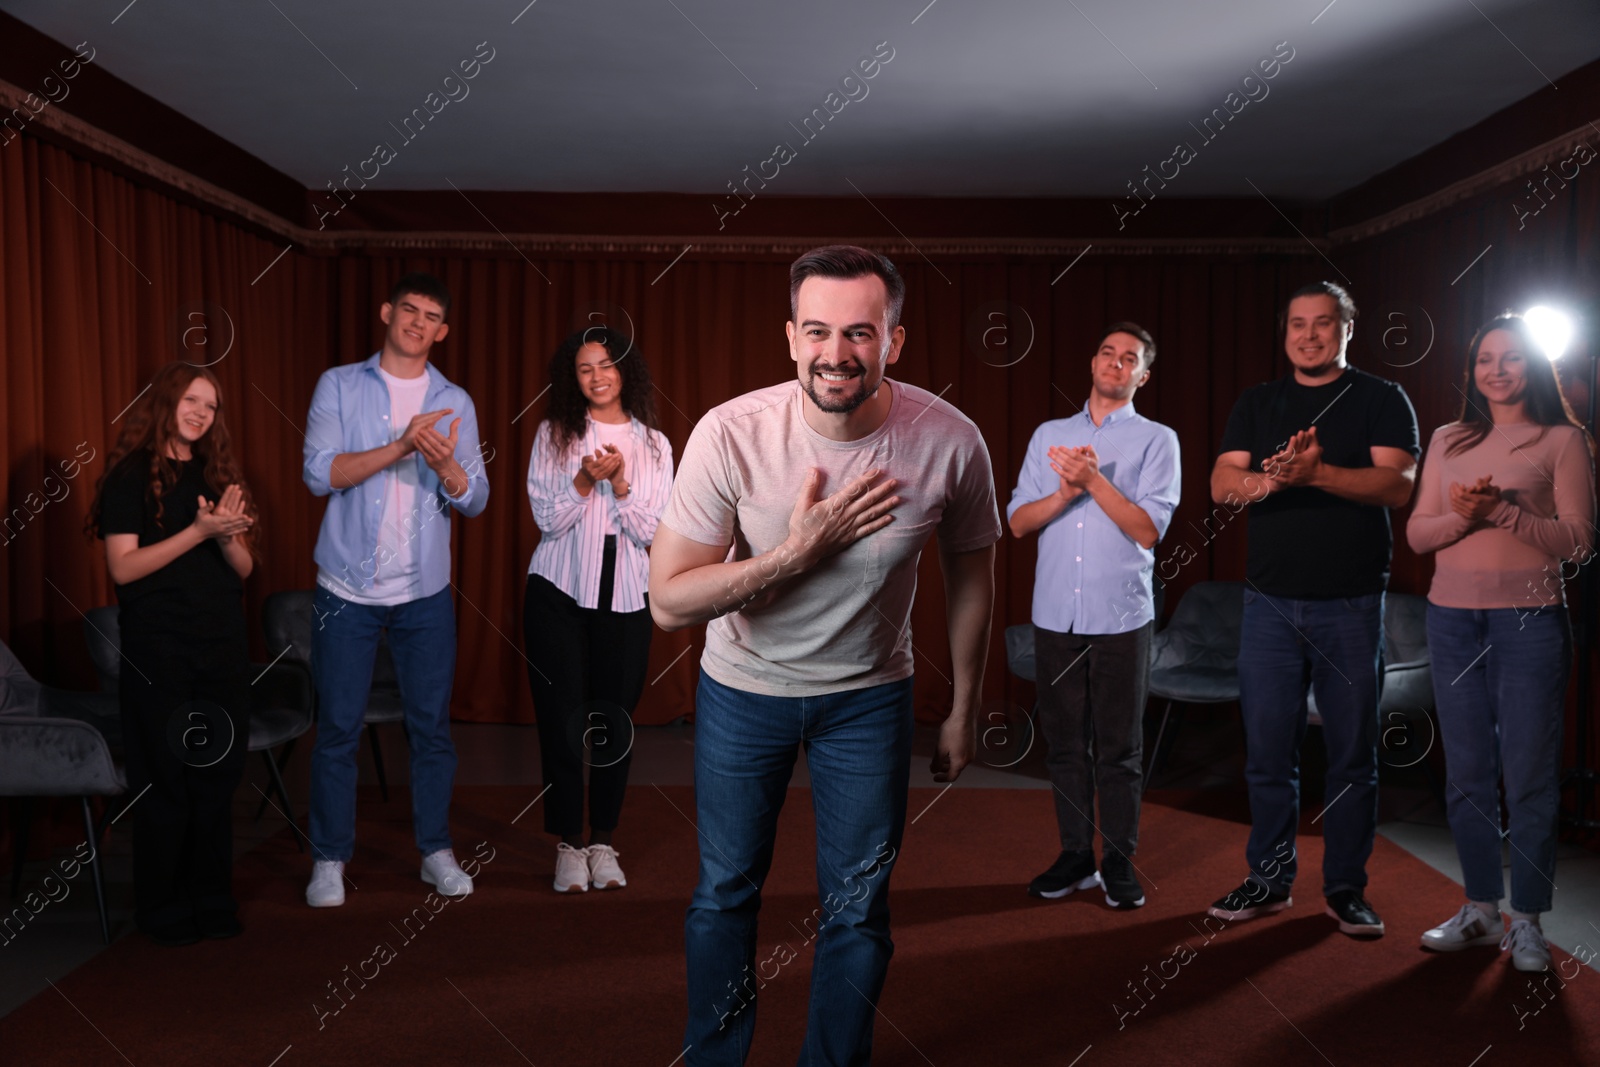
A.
x: 397, y: 559
x: 846, y: 624
x: 619, y: 435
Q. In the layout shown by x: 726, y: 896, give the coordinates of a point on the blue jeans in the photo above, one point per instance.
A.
x: 858, y: 750
x: 1500, y: 683
x: 344, y: 646
x: 1334, y: 646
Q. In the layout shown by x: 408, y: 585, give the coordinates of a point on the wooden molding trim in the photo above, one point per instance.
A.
x: 1520, y: 166
x: 14, y: 103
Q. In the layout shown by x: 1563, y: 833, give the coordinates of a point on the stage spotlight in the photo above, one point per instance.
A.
x: 1551, y: 328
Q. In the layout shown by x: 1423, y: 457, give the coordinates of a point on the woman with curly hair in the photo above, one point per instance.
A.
x: 175, y: 515
x: 1507, y: 500
x: 599, y: 478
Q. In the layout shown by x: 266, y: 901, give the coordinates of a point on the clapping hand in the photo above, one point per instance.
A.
x: 1076, y: 467
x: 605, y: 464
x: 1474, y: 502
x: 226, y: 517
x: 1299, y: 462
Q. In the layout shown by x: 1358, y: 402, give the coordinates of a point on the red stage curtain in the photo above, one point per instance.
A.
x: 84, y: 328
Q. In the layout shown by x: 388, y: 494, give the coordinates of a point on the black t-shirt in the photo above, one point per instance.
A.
x: 1308, y: 543
x: 198, y: 594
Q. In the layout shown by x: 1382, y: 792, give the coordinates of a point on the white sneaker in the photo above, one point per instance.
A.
x: 440, y: 870
x: 326, y: 889
x: 603, y: 870
x: 1467, y: 928
x: 572, y: 869
x: 1529, y: 952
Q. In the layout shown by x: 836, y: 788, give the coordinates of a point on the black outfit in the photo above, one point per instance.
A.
x: 1297, y: 533
x: 587, y: 668
x: 184, y: 693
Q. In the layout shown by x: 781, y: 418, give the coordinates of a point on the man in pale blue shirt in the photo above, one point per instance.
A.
x: 374, y: 448
x: 1100, y: 488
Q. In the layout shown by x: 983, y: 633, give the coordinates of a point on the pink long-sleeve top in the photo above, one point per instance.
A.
x: 1542, y: 529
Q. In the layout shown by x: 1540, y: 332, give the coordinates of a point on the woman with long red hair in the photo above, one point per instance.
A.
x: 175, y: 515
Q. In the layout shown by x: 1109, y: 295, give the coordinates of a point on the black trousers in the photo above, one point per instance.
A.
x: 1092, y: 689
x: 587, y: 670
x: 186, y: 731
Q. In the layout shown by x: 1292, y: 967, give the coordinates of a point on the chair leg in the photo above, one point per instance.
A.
x: 1155, y: 750
x: 283, y: 761
x: 94, y: 868
x: 377, y: 759
x: 283, y: 796
x: 24, y: 823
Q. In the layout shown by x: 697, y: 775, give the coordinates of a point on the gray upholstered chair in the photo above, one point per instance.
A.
x: 55, y: 743
x: 288, y: 618
x: 1195, y: 659
x: 282, y: 703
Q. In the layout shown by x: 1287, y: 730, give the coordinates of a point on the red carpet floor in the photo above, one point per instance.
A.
x: 982, y: 973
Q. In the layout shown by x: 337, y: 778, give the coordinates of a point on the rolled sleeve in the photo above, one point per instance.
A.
x: 1161, y: 480
x: 468, y: 443
x: 324, y: 435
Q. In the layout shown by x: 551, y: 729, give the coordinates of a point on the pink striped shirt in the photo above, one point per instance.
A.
x: 573, y: 527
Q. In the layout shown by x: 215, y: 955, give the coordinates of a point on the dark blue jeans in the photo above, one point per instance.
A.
x: 858, y: 750
x: 344, y: 647
x: 1333, y: 646
x: 1500, y: 683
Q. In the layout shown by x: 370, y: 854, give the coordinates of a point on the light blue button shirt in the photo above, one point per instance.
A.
x: 350, y: 412
x: 1092, y: 578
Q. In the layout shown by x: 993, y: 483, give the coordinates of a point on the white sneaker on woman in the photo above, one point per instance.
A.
x: 572, y: 869
x: 326, y: 889
x: 1529, y: 951
x: 1468, y: 927
x: 440, y: 870
x: 604, y: 873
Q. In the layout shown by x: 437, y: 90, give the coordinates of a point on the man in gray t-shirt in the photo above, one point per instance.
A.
x: 796, y: 522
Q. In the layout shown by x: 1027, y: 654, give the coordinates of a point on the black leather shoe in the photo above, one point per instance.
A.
x: 1355, y: 915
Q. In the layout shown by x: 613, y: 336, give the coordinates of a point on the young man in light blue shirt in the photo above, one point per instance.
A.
x: 374, y: 447
x: 1100, y: 488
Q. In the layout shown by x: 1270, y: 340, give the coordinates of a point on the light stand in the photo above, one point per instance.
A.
x: 1582, y: 778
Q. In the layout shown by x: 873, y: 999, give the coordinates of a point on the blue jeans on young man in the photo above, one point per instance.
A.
x: 1335, y: 647
x: 858, y: 752
x: 1500, y: 685
x: 344, y: 647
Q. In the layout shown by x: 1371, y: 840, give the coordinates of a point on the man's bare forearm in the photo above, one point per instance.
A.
x: 969, y: 612
x: 353, y: 468
x: 703, y: 593
x: 1383, y: 486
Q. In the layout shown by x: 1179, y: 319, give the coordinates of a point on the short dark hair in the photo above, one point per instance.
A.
x: 1341, y: 297
x: 847, y: 261
x: 423, y: 285
x: 1137, y: 331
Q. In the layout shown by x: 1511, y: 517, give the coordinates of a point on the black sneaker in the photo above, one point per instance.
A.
x: 1249, y: 901
x: 1355, y: 915
x: 1070, y: 872
x: 1123, y: 890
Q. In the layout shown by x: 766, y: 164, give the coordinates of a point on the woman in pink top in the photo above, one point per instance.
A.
x: 1507, y: 499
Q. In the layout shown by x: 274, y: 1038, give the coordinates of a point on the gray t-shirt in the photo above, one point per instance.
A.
x: 845, y: 624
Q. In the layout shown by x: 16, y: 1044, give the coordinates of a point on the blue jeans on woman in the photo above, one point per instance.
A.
x: 1500, y: 684
x: 344, y: 648
x: 858, y: 751
x: 1334, y: 647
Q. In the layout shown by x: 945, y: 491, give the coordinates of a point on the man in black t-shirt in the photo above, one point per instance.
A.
x: 1320, y: 455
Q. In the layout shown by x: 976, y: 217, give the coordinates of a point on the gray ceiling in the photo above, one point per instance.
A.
x: 1018, y: 98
